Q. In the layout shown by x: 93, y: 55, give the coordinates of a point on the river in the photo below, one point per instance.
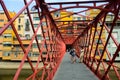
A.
x: 8, y: 74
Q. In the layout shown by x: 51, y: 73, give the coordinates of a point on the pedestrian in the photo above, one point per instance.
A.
x: 81, y: 54
x: 73, y: 55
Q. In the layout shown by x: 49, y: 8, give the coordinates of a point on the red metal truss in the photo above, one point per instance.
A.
x: 91, y: 61
x: 61, y: 35
x: 55, y: 45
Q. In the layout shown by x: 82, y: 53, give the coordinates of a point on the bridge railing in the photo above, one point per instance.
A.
x: 54, y: 50
x: 101, y: 44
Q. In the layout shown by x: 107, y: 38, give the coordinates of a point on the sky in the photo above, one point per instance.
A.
x: 16, y: 5
x: 62, y: 0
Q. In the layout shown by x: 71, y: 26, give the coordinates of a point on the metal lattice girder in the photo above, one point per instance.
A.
x: 57, y: 45
x: 100, y: 61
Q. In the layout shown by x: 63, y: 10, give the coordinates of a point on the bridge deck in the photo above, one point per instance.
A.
x: 75, y: 71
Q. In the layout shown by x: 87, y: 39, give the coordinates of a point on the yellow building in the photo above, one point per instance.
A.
x: 1, y: 37
x: 7, y: 36
x: 20, y: 21
x: 1, y: 46
x: 91, y: 14
x: 11, y: 48
x: 65, y: 24
x: 17, y: 52
x: 64, y: 14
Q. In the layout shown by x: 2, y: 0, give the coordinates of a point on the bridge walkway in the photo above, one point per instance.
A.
x: 73, y: 71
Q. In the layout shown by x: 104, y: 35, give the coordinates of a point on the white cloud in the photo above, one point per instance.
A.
x: 75, y: 0
x: 15, y: 0
x: 63, y: 0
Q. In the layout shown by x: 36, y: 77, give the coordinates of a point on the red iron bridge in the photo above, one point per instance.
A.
x: 61, y: 34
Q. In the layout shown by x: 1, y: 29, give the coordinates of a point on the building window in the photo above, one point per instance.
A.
x: 7, y: 35
x: 117, y: 55
x: 1, y: 13
x: 29, y: 54
x: 56, y: 14
x: 9, y: 28
x: 19, y: 20
x: 16, y: 54
x: 110, y: 24
x: 100, y: 41
x: 35, y: 54
x: 6, y: 54
x: 36, y: 18
x: 107, y: 24
x: 39, y: 37
x: 7, y: 44
x: 1, y: 20
x: 44, y: 53
x: 84, y: 18
x: 27, y: 36
x: 34, y: 45
x: 100, y: 50
x: 35, y: 25
x: 78, y: 18
x: 44, y: 24
x: 27, y: 28
x: 19, y: 27
x: 118, y: 24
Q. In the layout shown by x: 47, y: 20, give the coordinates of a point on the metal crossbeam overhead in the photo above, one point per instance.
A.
x: 79, y: 2
x: 75, y: 21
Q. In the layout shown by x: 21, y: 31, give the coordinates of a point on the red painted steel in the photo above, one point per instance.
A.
x: 83, y: 36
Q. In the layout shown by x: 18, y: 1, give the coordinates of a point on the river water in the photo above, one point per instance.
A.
x: 8, y: 74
